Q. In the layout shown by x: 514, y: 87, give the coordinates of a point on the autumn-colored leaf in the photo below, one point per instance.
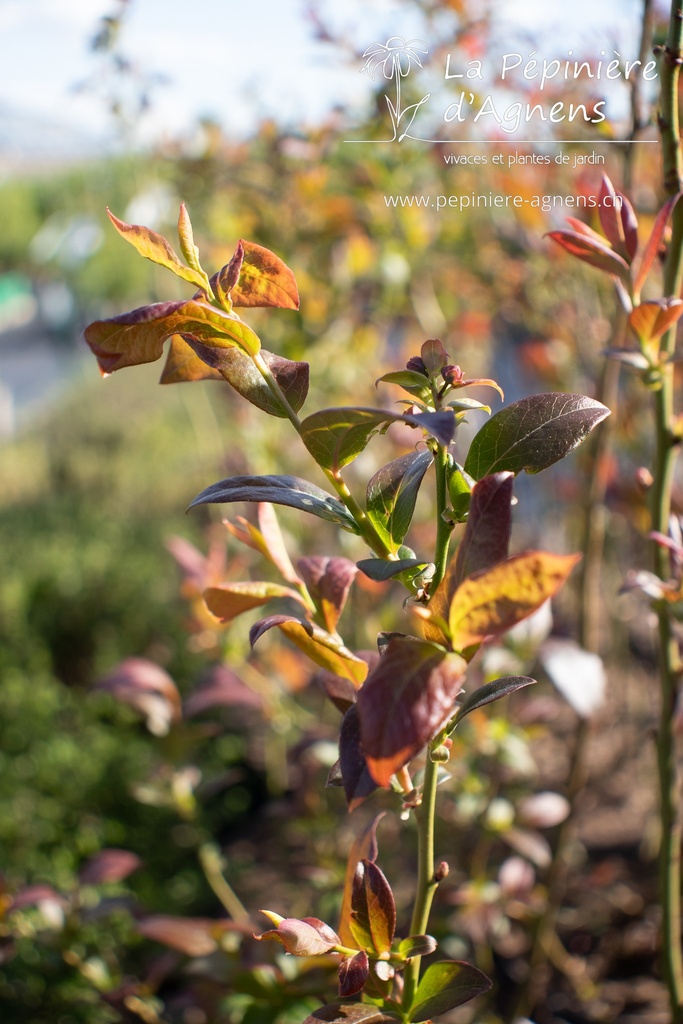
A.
x: 373, y: 910
x: 364, y: 848
x: 404, y: 701
x: 145, y: 686
x: 264, y: 280
x: 350, y: 1013
x: 328, y: 581
x: 109, y: 865
x: 322, y: 648
x: 654, y: 243
x: 154, y: 247
x: 493, y: 601
x: 193, y: 936
x: 307, y: 936
x: 597, y: 254
x: 220, y: 687
x: 228, y: 600
x: 353, y: 973
x: 356, y: 779
x: 650, y: 320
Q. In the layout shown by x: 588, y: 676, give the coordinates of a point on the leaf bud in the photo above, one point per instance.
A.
x: 452, y: 374
x: 442, y: 871
x: 417, y: 364
x: 644, y: 479
x: 440, y: 754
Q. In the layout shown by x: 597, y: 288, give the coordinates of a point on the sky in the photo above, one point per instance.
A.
x: 234, y: 60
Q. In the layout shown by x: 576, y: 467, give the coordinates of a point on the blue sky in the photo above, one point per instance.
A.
x: 236, y: 60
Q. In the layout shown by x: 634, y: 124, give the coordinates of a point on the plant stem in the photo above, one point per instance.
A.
x: 665, y: 457
x: 210, y: 860
x: 426, y: 882
x: 365, y: 527
x: 443, y: 527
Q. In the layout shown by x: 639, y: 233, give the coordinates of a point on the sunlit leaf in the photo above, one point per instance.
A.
x: 595, y: 253
x: 445, y: 985
x: 492, y: 601
x: 264, y: 280
x: 154, y: 247
x: 266, y: 538
x: 490, y: 692
x: 610, y: 217
x: 138, y: 336
x: 281, y: 490
x: 373, y: 911
x: 356, y: 779
x: 392, y: 493
x: 533, y: 433
x: 229, y: 600
x: 307, y: 936
x: 416, y: 384
x: 654, y: 243
x: 484, y: 542
x: 145, y: 686
x: 353, y: 973
x: 650, y: 320
x: 364, y: 848
x: 404, y: 701
x: 380, y: 570
x: 416, y: 945
x: 183, y: 364
x: 328, y: 581
x: 323, y: 649
x: 187, y: 246
x: 335, y: 437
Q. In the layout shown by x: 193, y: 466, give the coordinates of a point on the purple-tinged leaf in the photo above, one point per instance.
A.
x: 335, y: 437
x: 445, y: 985
x: 281, y: 490
x: 597, y: 254
x: 404, y: 702
x: 193, y: 936
x: 581, y: 228
x: 229, y: 600
x: 340, y: 691
x: 654, y: 243
x: 325, y: 650
x: 392, y: 493
x: 138, y: 336
x: 533, y: 433
x: 364, y: 848
x: 356, y: 779
x: 490, y: 692
x: 373, y: 911
x: 238, y: 369
x: 146, y: 687
x: 434, y: 356
x: 264, y: 279
x: 416, y: 945
x: 307, y: 936
x: 228, y: 276
x: 37, y: 895
x: 184, y: 365
x: 610, y: 217
x: 109, y: 866
x: 629, y: 224
x: 350, y: 1013
x: 154, y: 247
x: 353, y: 973
x: 493, y: 601
x: 380, y: 570
x: 328, y: 581
x: 220, y: 687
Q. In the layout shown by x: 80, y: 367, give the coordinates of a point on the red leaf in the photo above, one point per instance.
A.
x: 592, y: 252
x: 109, y: 866
x: 404, y: 701
x: 264, y: 280
x: 364, y: 848
x: 328, y: 581
x: 353, y: 973
x: 654, y: 243
x: 373, y: 911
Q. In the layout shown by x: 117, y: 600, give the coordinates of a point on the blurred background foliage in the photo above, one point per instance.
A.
x: 94, y: 485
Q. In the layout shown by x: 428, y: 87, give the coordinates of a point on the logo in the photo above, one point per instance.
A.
x: 395, y: 59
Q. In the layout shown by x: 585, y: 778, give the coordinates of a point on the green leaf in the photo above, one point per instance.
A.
x: 229, y: 600
x: 414, y: 383
x: 335, y: 437
x: 187, y: 246
x: 280, y: 490
x: 416, y: 945
x: 379, y: 569
x: 373, y: 911
x: 154, y: 247
x: 490, y: 692
x: 404, y: 701
x: 264, y: 280
x: 138, y: 336
x: 392, y: 493
x: 321, y: 647
x: 445, y: 985
x: 533, y: 433
x: 493, y: 601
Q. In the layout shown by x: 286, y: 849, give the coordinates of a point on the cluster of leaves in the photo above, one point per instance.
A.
x: 404, y: 698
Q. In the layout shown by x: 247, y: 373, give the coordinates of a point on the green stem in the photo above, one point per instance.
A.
x: 443, y: 527
x: 426, y: 882
x: 210, y: 860
x: 665, y: 458
x: 365, y: 527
